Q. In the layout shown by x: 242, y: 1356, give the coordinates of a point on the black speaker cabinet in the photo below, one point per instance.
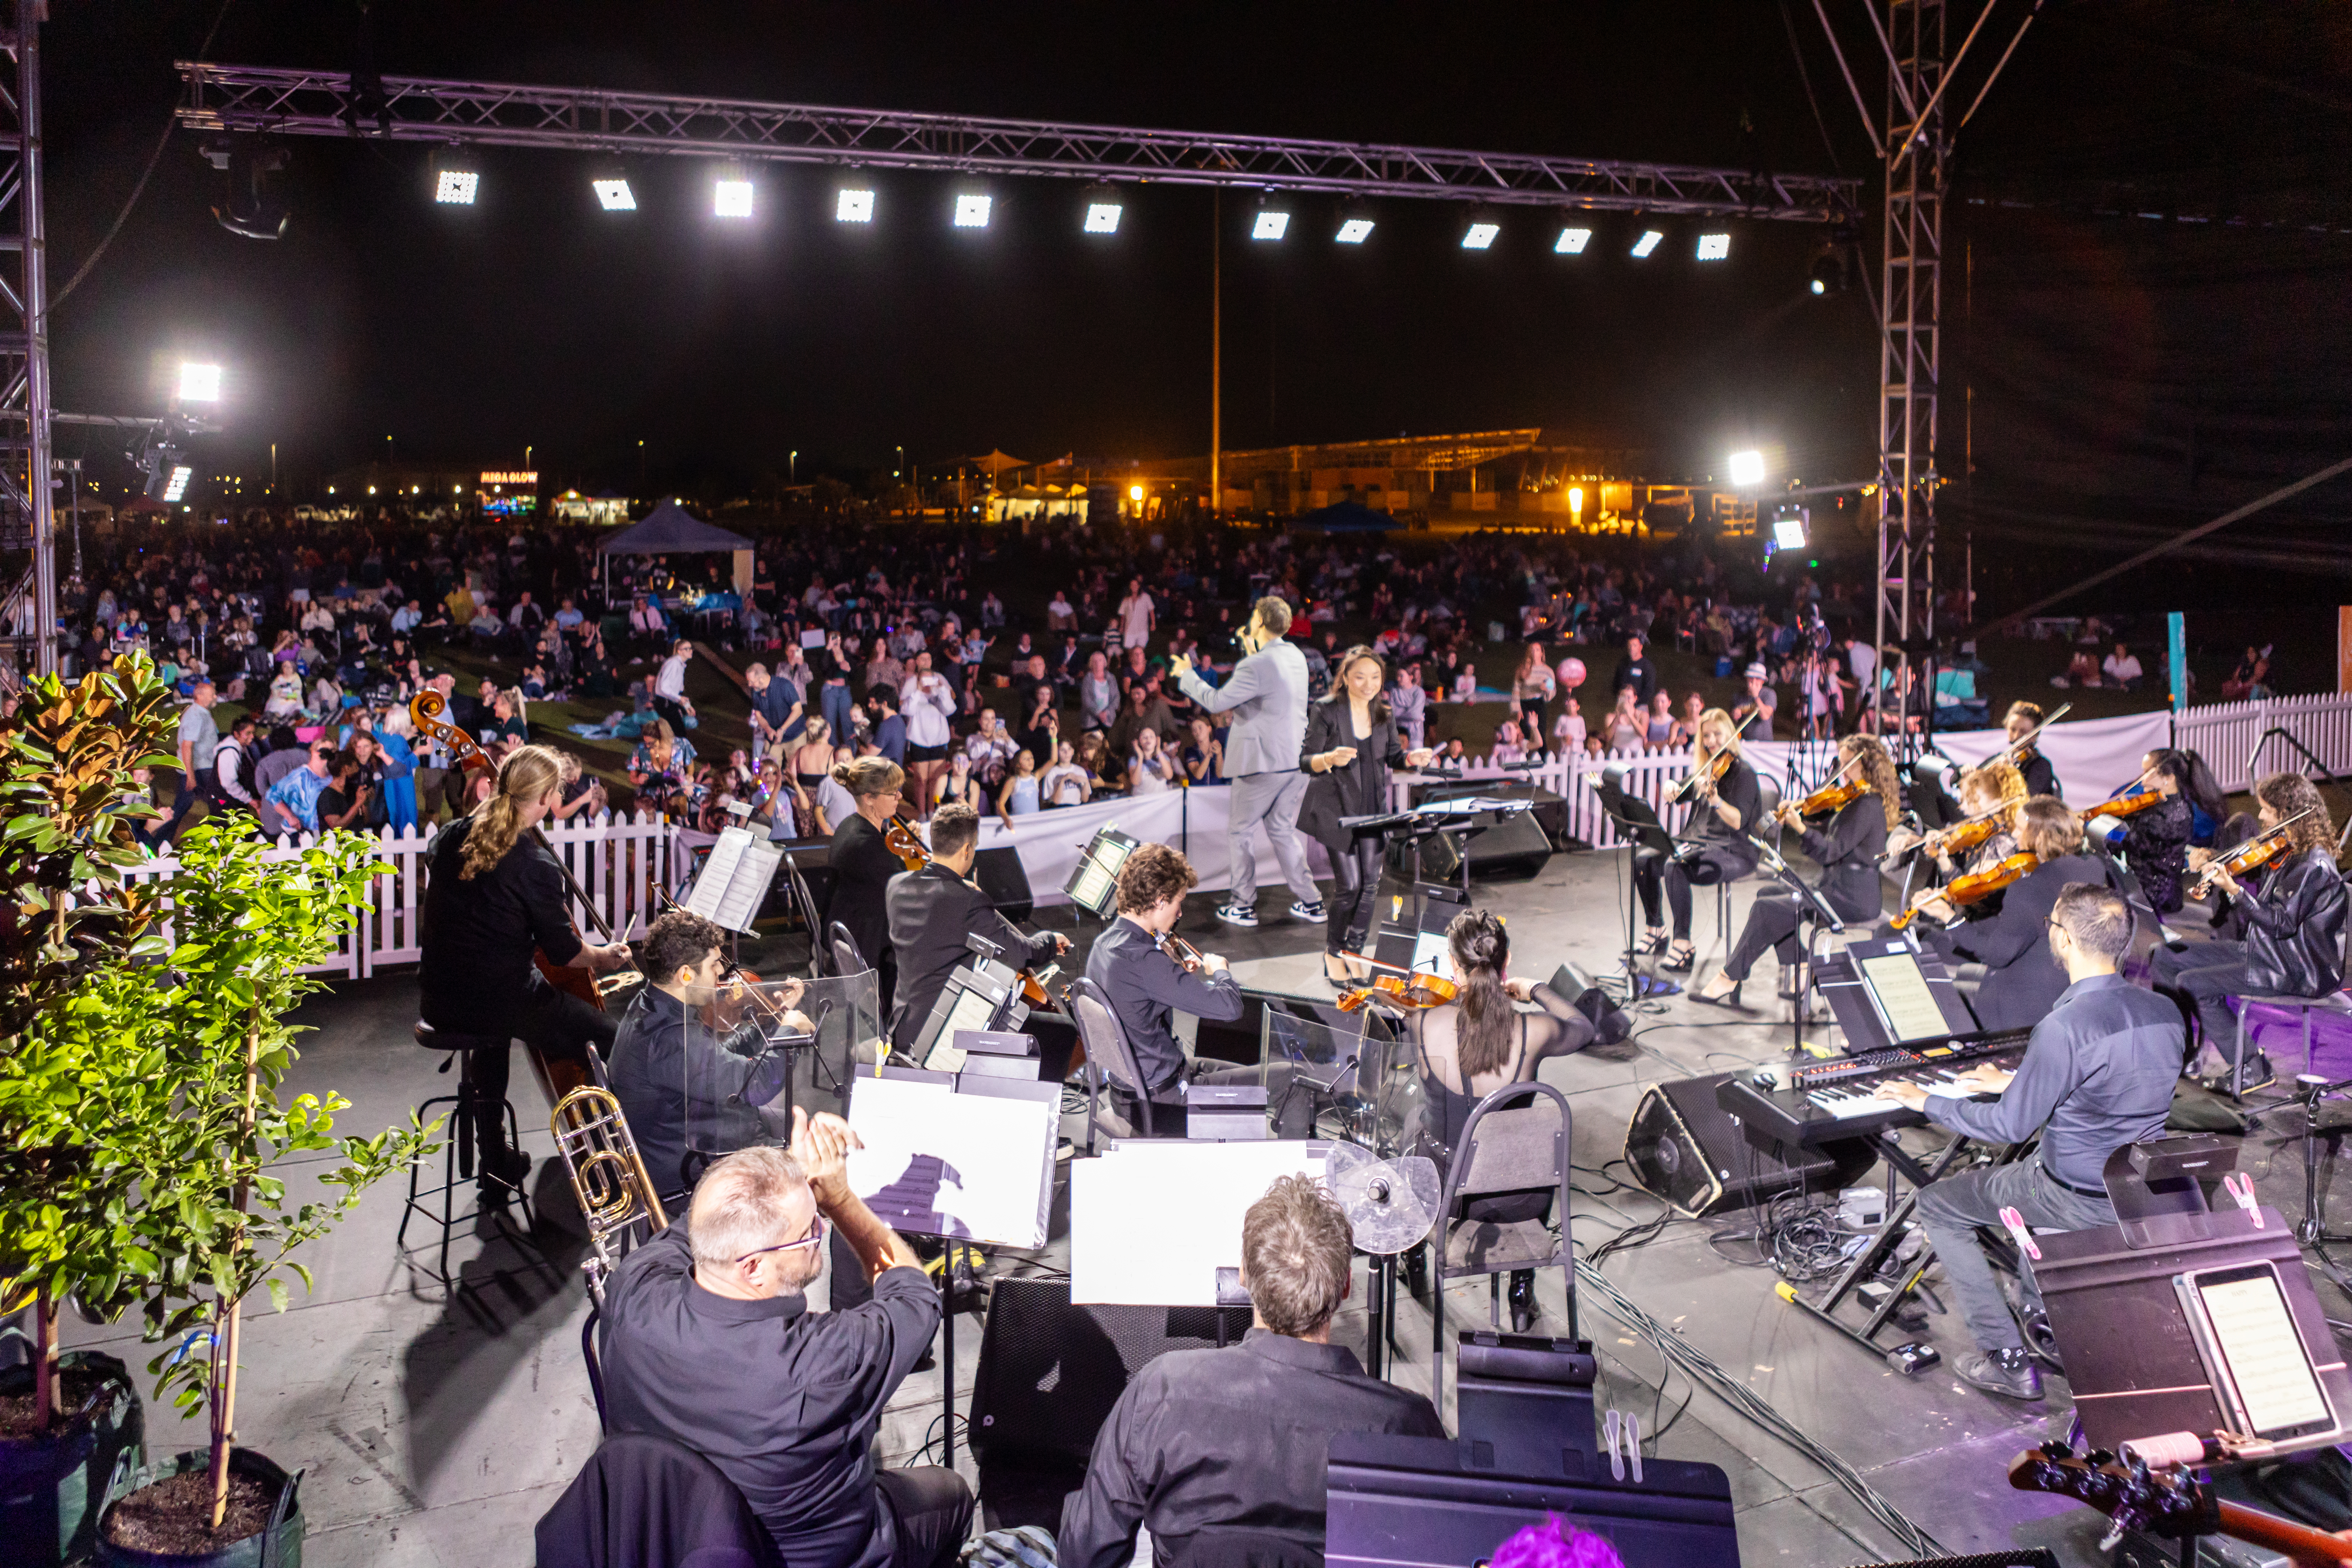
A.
x: 1681, y: 1147
x: 1514, y: 846
x: 1001, y: 877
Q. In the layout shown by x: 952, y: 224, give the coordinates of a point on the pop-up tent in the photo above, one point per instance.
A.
x: 670, y: 530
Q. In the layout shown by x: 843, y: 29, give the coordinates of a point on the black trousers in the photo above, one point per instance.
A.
x: 1355, y: 896
x: 1772, y: 922
x: 1712, y: 863
x: 556, y: 1023
x: 932, y: 1507
x: 2199, y: 977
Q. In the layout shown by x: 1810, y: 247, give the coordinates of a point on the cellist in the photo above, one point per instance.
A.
x: 494, y: 894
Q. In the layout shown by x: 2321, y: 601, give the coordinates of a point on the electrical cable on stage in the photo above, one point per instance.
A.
x: 1701, y: 1368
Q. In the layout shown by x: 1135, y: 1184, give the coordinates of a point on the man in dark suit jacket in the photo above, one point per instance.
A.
x: 933, y: 910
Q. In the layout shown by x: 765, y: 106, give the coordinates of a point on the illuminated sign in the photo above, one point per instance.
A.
x: 520, y: 477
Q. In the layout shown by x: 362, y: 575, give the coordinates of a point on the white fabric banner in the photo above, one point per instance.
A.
x: 1050, y: 842
x: 2095, y: 757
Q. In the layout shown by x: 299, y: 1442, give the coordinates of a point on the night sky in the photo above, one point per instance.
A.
x: 2111, y: 357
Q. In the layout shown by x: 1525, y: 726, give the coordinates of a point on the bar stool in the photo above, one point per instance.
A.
x: 458, y: 1153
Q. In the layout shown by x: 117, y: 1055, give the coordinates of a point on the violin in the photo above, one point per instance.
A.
x: 1182, y: 952
x: 1407, y: 990
x: 1709, y: 774
x: 1962, y: 836
x: 1973, y: 887
x: 2251, y: 855
x: 2124, y: 805
x: 2016, y: 750
x: 901, y: 839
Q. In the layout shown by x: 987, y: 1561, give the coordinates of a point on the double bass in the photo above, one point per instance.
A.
x: 558, y: 1076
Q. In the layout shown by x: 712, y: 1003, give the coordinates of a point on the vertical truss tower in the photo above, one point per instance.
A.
x: 27, y: 517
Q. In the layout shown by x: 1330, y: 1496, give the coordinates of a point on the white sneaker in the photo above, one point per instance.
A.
x: 1235, y: 915
x: 1306, y: 909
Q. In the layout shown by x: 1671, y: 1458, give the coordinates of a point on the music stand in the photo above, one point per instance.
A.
x: 1639, y: 825
x: 1811, y: 906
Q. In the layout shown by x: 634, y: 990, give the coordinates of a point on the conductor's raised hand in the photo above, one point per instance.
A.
x: 1180, y: 667
x: 821, y: 1144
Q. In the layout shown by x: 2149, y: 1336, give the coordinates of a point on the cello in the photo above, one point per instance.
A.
x: 558, y: 1075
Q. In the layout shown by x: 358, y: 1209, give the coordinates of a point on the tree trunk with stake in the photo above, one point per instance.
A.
x: 229, y: 1317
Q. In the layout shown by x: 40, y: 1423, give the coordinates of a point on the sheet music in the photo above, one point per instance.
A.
x: 734, y: 879
x: 1152, y: 1221
x: 937, y: 1162
x: 1906, y: 1006
x: 2266, y: 1354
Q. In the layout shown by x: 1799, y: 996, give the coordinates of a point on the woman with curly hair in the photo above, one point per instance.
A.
x: 1847, y: 849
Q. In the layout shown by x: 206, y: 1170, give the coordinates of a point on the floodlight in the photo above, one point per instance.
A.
x: 853, y: 206
x: 1646, y: 243
x: 1135, y: 492
x: 971, y: 212
x: 1355, y: 231
x: 199, y: 382
x: 1713, y: 247
x: 176, y: 483
x: 614, y: 196
x: 1575, y: 500
x: 1573, y: 241
x: 455, y: 187
x: 1479, y: 236
x: 1788, y: 532
x: 1102, y: 217
x: 732, y: 198
x: 1746, y: 468
x: 1270, y: 225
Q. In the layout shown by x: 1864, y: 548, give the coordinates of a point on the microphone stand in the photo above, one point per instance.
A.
x: 1810, y: 904
x: 1643, y: 835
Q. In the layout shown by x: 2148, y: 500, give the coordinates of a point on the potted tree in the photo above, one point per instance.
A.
x: 69, y: 805
x: 216, y: 1030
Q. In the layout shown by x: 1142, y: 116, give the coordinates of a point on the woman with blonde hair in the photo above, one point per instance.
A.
x: 494, y: 894
x: 1532, y: 686
x: 1726, y: 803
x: 863, y: 864
x: 1847, y: 849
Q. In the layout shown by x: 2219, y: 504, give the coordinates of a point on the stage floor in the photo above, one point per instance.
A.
x: 437, y: 1426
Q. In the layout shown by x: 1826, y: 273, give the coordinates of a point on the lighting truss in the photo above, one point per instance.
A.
x: 296, y: 102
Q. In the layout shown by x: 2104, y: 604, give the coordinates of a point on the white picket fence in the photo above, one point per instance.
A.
x: 617, y: 861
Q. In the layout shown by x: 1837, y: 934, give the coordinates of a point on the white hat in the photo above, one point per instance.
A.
x: 1757, y: 672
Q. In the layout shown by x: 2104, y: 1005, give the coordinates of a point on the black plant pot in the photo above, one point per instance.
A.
x: 280, y: 1545
x: 52, y: 1487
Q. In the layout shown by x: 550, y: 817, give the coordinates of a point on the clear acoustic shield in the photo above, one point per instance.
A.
x: 762, y: 1050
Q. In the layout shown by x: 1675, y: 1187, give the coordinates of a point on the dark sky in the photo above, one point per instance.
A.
x: 534, y: 317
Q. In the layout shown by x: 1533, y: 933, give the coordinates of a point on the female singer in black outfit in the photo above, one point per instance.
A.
x: 1350, y: 745
x: 1847, y: 851
x: 1714, y: 836
x: 862, y: 866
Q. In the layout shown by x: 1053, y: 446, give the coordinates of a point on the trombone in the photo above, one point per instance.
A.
x: 608, y: 1176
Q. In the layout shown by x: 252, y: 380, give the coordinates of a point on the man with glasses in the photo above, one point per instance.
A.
x: 708, y: 1339
x: 2097, y: 1074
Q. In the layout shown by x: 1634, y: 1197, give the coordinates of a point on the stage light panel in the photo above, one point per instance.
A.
x: 1818, y: 286
x: 1355, y: 231
x: 1789, y: 532
x: 178, y: 484
x: 1479, y: 236
x: 971, y: 212
x: 1746, y: 468
x: 457, y: 187
x: 853, y: 206
x: 1713, y: 247
x: 1573, y: 241
x: 199, y: 382
x: 1102, y: 217
x: 1270, y: 225
x: 730, y: 198
x: 614, y: 196
x: 1646, y: 243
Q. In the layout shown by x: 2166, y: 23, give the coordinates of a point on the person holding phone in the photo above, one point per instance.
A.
x: 2098, y: 1073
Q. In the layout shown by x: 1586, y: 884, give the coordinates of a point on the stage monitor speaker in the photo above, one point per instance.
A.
x: 1681, y: 1147
x: 1001, y: 877
x: 1610, y: 1023
x: 1514, y: 846
x: 1050, y: 1372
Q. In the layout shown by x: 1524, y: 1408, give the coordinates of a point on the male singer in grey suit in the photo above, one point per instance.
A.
x: 1267, y: 699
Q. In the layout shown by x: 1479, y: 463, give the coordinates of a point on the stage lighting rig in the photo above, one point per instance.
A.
x: 1102, y: 217
x: 1747, y: 469
x: 852, y: 206
x: 1271, y: 223
x: 1354, y: 231
x: 1713, y: 247
x: 252, y: 209
x: 730, y: 196
x: 1480, y: 236
x: 199, y: 382
x: 971, y: 209
x: 613, y: 194
x: 1573, y: 241
x: 1792, y: 527
x: 1646, y: 243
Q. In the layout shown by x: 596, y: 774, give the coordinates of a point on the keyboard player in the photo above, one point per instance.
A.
x: 2098, y: 1073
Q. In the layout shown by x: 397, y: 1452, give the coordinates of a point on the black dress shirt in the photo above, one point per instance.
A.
x: 1234, y: 1438
x: 1144, y: 985
x: 474, y: 966
x: 1847, y: 851
x: 2014, y: 945
x: 682, y: 1087
x: 862, y: 867
x: 931, y: 912
x: 2098, y: 1074
x: 784, y: 1401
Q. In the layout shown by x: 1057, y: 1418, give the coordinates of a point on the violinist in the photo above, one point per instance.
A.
x: 1847, y: 849
x: 1467, y: 1049
x: 1350, y: 745
x: 933, y: 910
x: 2021, y: 720
x: 1145, y: 987
x: 1985, y: 834
x: 2292, y: 929
x: 2154, y: 838
x: 863, y: 864
x: 1726, y: 803
x: 493, y: 894
x: 2023, y: 977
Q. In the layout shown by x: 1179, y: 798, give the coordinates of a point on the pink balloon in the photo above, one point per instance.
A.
x: 1571, y: 672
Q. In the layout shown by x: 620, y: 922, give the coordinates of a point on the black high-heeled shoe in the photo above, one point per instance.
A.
x: 1655, y: 940
x: 1728, y: 999
x: 1681, y: 963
